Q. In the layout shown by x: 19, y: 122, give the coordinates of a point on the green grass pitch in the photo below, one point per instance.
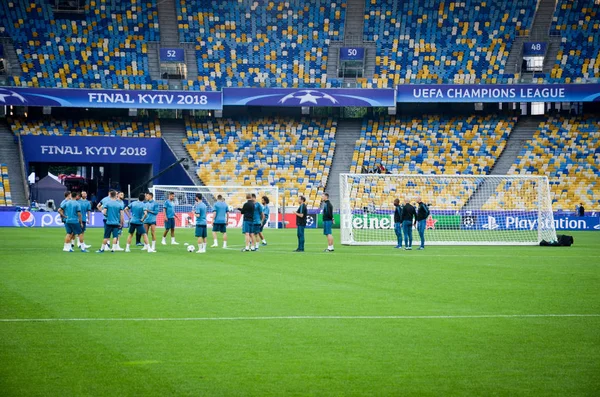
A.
x: 360, y: 321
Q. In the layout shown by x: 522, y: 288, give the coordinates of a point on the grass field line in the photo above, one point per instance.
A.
x: 399, y: 252
x: 273, y: 318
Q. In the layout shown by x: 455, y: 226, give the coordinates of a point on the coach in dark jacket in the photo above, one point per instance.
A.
x: 398, y: 222
x: 301, y: 215
x: 421, y: 223
x: 408, y: 216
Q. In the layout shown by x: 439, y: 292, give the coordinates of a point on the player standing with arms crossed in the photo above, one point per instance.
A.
x: 266, y: 213
x: 170, y: 216
x: 220, y: 221
x: 150, y: 222
x: 328, y: 221
x: 200, y: 211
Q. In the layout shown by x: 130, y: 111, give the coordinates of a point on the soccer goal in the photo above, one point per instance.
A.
x: 234, y: 196
x: 465, y: 209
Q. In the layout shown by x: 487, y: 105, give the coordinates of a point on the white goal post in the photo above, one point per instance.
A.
x: 234, y: 196
x: 465, y: 209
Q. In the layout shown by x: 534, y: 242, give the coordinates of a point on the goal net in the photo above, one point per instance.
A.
x: 234, y: 196
x: 465, y: 209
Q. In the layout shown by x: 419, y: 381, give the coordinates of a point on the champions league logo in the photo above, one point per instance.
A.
x: 24, y: 219
x: 4, y: 93
x: 469, y: 221
x: 308, y: 97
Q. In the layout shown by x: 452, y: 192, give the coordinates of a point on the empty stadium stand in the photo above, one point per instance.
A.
x: 287, y: 44
x: 578, y: 23
x: 432, y: 144
x: 106, y: 48
x: 567, y: 150
x: 261, y: 44
x: 88, y: 127
x: 444, y: 42
x: 294, y: 154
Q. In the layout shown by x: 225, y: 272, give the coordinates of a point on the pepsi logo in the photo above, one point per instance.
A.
x: 26, y: 219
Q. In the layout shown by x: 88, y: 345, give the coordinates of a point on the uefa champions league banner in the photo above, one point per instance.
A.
x: 100, y: 98
x: 461, y: 93
x: 76, y: 149
x: 313, y: 97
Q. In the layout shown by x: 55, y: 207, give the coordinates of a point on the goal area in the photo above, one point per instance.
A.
x: 464, y: 209
x: 234, y: 196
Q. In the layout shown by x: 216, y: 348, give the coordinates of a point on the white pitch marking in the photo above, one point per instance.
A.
x: 272, y: 318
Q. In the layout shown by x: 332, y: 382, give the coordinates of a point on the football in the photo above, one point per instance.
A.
x: 230, y: 208
x: 190, y: 248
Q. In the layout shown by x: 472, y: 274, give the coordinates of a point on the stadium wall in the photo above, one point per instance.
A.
x: 562, y: 221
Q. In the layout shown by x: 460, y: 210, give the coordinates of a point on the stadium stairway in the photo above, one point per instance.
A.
x: 154, y: 61
x: 515, y: 57
x: 191, y: 61
x: 167, y: 23
x: 173, y: 132
x: 353, y: 36
x: 540, y: 28
x: 9, y: 155
x: 355, y: 19
x: 523, y: 132
x: 348, y: 132
x: 14, y: 66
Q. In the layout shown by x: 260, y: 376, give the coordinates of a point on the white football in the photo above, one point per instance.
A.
x: 230, y: 208
x: 190, y: 248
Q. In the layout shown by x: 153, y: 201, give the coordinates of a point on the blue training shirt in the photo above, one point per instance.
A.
x: 85, y: 206
x: 258, y: 210
x: 104, y: 201
x: 170, y: 209
x: 64, y: 219
x: 220, y: 209
x: 267, y: 212
x: 137, y: 212
x: 200, y: 210
x: 152, y: 208
x: 71, y: 208
x: 113, y: 212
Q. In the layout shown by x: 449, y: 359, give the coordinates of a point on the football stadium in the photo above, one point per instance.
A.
x: 264, y: 197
